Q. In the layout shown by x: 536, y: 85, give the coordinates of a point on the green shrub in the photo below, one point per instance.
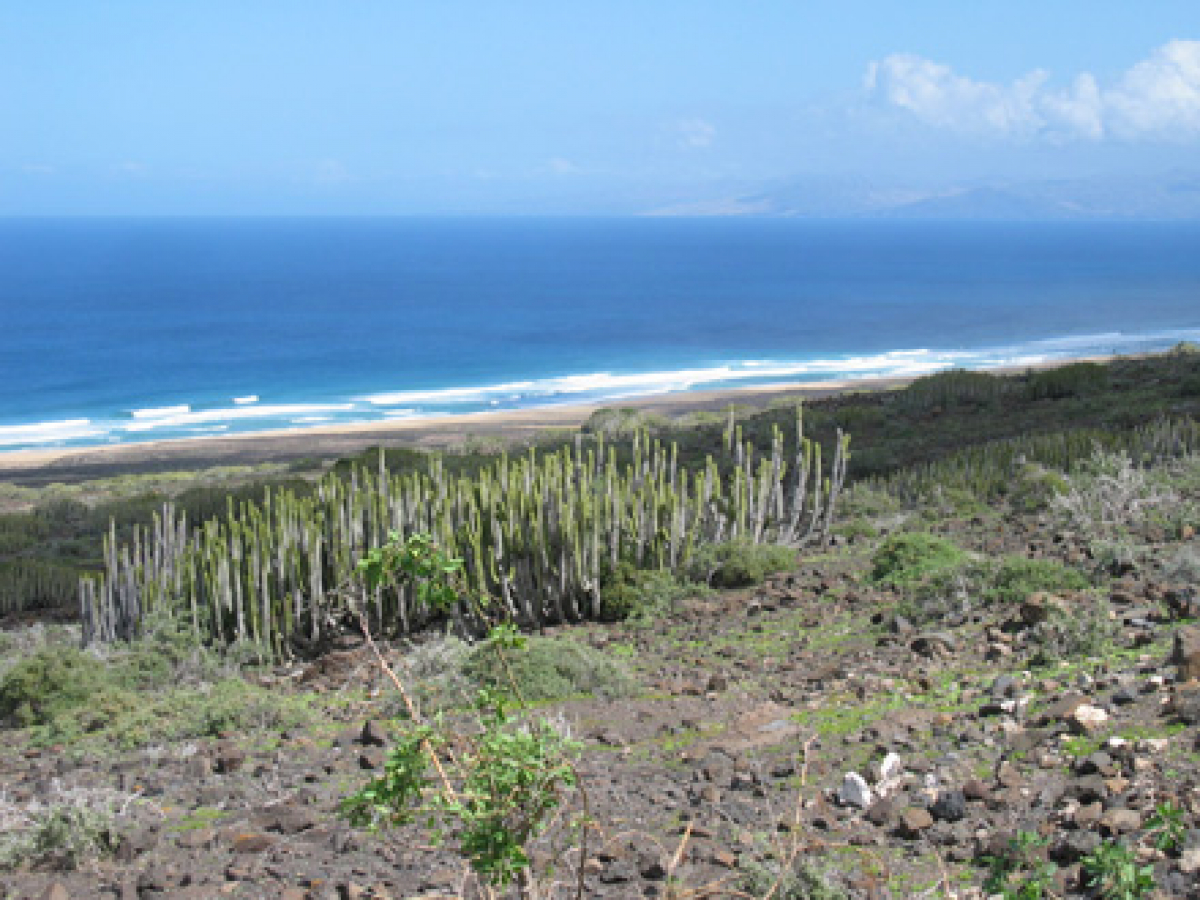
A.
x: 1034, y: 486
x: 643, y: 594
x: 941, y: 592
x: 551, y: 669
x: 159, y: 688
x: 1086, y: 632
x: 52, y: 681
x: 1183, y: 566
x: 868, y: 501
x: 739, y: 563
x: 856, y: 528
x: 75, y: 826
x: 943, y: 503
x: 115, y: 717
x: 953, y: 387
x: 1073, y: 380
x: 908, y: 558
x: 1019, y: 576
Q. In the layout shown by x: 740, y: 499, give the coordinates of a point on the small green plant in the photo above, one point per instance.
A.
x: 1019, y: 576
x: 1111, y: 870
x: 643, y: 595
x: 1022, y: 871
x: 856, y: 528
x: 497, y: 786
x: 738, y: 564
x: 68, y: 828
x: 1167, y: 827
x: 417, y: 560
x: 908, y: 558
x: 510, y: 778
x: 545, y: 668
x: 1087, y: 632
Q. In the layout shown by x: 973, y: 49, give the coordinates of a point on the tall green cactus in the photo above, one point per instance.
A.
x: 537, y: 531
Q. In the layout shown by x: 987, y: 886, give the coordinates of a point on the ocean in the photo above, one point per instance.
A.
x: 126, y: 330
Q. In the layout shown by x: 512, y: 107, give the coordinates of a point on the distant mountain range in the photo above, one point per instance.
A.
x: 1172, y: 197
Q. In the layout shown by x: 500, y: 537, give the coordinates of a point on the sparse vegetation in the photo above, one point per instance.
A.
x: 910, y: 558
x: 69, y: 827
x: 550, y: 669
x: 745, y: 712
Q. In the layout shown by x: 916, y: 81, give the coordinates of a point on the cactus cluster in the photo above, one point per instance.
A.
x: 537, y: 532
x: 986, y: 470
x: 34, y: 584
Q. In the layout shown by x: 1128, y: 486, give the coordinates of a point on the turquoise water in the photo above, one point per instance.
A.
x: 131, y: 330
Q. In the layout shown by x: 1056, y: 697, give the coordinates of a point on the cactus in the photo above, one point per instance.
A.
x: 536, y: 531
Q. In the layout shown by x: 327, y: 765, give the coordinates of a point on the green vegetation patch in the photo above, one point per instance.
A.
x: 737, y: 564
x: 1016, y: 577
x: 908, y: 558
x: 551, y: 669
x: 630, y: 593
x: 1074, y: 380
x: 149, y: 692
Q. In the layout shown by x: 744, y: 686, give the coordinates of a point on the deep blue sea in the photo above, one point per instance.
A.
x: 130, y: 330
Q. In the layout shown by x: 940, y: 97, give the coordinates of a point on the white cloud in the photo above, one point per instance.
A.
x: 1158, y: 98
x: 1160, y: 95
x: 560, y: 166
x: 693, y: 133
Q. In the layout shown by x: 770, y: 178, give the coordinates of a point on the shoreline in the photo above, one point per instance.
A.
x: 332, y: 441
x: 43, y: 465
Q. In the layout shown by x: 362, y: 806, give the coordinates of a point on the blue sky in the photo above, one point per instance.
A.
x: 397, y: 107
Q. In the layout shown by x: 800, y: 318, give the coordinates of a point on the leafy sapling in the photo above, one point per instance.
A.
x: 1021, y: 872
x: 497, y: 788
x: 1167, y: 827
x: 1112, y: 872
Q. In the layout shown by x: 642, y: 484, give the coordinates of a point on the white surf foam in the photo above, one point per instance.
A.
x: 233, y: 414
x: 161, y: 412
x: 48, y: 432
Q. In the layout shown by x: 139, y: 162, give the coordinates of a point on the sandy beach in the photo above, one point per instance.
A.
x: 43, y: 465
x: 76, y: 463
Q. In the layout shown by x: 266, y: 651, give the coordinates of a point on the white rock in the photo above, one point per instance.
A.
x: 1189, y: 861
x: 890, y: 767
x: 1088, y: 717
x: 855, y: 792
x: 889, y: 774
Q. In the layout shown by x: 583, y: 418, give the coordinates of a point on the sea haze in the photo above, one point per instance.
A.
x: 130, y: 330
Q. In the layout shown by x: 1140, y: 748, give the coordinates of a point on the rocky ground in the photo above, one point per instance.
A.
x: 807, y: 720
